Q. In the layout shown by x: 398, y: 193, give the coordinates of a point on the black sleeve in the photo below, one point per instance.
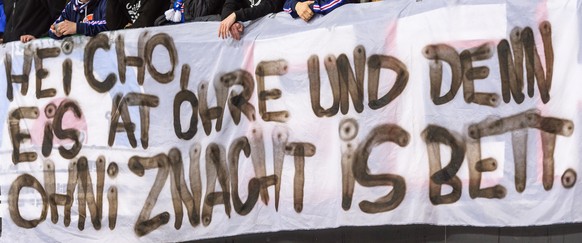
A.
x: 215, y: 6
x: 149, y: 11
x: 264, y: 8
x: 55, y: 7
x: 8, y: 8
x: 229, y: 7
x: 116, y: 15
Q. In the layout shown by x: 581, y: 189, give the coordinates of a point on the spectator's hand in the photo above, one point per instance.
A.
x: 303, y: 10
x: 26, y: 38
x: 67, y: 28
x: 236, y: 30
x: 225, y: 25
x: 54, y: 30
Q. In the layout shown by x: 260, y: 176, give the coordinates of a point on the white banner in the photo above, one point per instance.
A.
x: 396, y: 112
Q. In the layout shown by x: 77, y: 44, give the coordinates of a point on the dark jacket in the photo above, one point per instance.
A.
x: 138, y: 13
x: 30, y: 17
x: 246, y: 10
x: 90, y: 17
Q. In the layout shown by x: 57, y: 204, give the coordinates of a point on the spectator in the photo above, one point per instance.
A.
x: 244, y: 10
x: 85, y: 17
x: 306, y: 9
x: 123, y: 14
x: 192, y: 10
x: 29, y: 19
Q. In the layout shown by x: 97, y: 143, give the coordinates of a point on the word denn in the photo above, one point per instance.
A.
x: 511, y: 68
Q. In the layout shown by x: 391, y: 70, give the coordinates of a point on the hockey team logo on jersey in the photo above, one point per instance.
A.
x: 132, y: 10
x: 88, y: 18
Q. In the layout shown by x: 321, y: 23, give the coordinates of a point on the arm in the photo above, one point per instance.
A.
x: 228, y: 8
x: 228, y: 17
x: 264, y: 8
x: 64, y: 16
x: 92, y: 28
x: 302, y: 9
x: 325, y: 6
x: 289, y: 8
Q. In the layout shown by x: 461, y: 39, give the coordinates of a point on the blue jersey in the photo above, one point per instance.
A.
x: 90, y: 17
